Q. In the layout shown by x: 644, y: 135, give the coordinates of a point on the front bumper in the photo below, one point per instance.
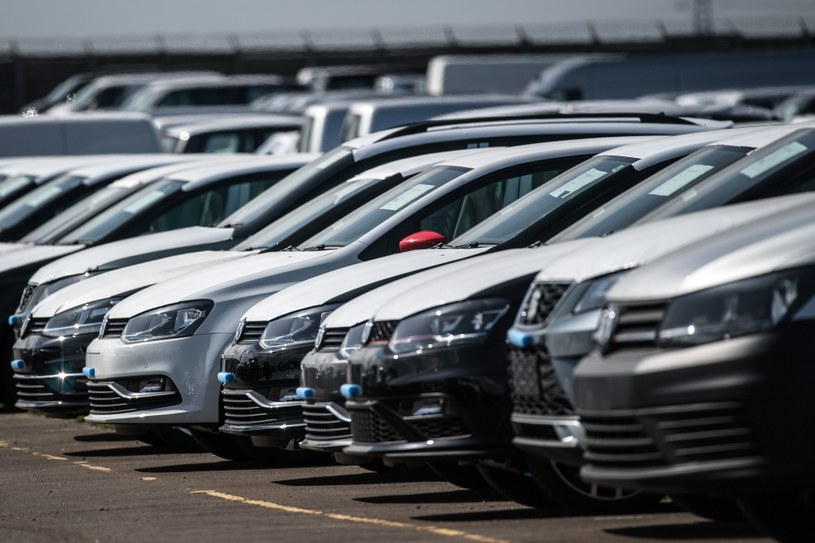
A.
x: 255, y: 405
x: 732, y: 416
x: 51, y: 379
x: 452, y: 403
x: 328, y: 423
x: 170, y: 381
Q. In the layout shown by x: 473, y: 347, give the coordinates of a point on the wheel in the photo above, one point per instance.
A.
x: 461, y: 475
x: 710, y: 507
x: 514, y: 485
x: 786, y: 517
x: 223, y: 445
x: 563, y: 484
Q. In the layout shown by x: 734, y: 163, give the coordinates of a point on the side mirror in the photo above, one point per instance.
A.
x: 423, y: 239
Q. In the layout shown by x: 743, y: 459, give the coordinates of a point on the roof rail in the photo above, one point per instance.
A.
x: 425, y: 126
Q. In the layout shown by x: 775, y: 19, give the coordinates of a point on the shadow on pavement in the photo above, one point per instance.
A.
x: 140, y: 450
x: 696, y: 530
x: 453, y: 496
x: 523, y: 513
x: 217, y: 465
x: 364, y: 478
x: 103, y: 437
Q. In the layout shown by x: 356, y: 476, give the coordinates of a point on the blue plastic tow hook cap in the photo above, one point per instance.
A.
x: 304, y: 393
x: 13, y: 320
x: 226, y: 377
x: 519, y: 339
x: 17, y: 364
x: 350, y: 390
x: 90, y: 373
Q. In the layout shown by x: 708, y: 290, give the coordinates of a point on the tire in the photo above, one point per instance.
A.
x: 789, y: 518
x: 223, y: 445
x: 710, y: 507
x: 461, y: 475
x: 516, y: 486
x: 563, y: 484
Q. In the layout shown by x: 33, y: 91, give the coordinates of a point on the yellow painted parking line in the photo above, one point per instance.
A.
x: 350, y: 518
x: 96, y: 468
x: 49, y: 456
x: 148, y: 478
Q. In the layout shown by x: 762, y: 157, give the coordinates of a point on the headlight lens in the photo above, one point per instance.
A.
x: 85, y: 319
x: 454, y: 324
x: 352, y: 341
x: 167, y: 322
x: 594, y: 297
x: 294, y: 330
x: 735, y: 309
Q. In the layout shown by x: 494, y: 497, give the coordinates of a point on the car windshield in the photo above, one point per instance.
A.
x: 15, y: 183
x: 526, y: 211
x: 775, y: 167
x: 367, y: 217
x: 86, y: 207
x: 658, y: 189
x: 333, y: 161
x: 38, y: 199
x: 117, y: 215
x: 296, y: 219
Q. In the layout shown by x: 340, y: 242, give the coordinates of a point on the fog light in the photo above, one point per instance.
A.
x: 226, y: 377
x: 153, y: 384
x: 90, y: 373
x: 304, y: 393
x: 350, y: 390
x: 428, y: 406
x: 17, y: 364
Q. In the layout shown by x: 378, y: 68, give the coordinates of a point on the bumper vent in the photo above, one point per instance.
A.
x: 113, y: 328
x: 332, y: 339
x: 540, y: 301
x: 252, y: 332
x: 324, y: 425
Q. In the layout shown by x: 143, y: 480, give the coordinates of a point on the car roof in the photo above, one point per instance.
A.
x: 50, y: 165
x: 655, y: 148
x: 248, y: 164
x: 231, y: 122
x: 223, y: 81
x: 123, y: 163
x: 411, y: 165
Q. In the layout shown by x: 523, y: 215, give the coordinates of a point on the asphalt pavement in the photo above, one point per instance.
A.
x: 70, y: 482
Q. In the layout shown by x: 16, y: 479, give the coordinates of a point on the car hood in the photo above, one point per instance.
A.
x: 7, y: 247
x: 341, y: 285
x: 635, y: 246
x: 131, y: 278
x: 248, y: 277
x: 778, y: 242
x: 126, y: 252
x: 29, y: 256
x: 478, y: 279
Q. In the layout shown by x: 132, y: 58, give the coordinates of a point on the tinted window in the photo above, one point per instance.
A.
x: 661, y: 187
x: 37, y: 199
x: 15, y: 184
x: 514, y: 218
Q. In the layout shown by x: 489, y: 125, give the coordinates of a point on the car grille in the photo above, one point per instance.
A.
x: 369, y: 427
x: 252, y: 332
x: 31, y: 388
x: 382, y: 330
x: 104, y: 399
x: 34, y: 326
x: 637, y: 326
x: 540, y: 301
x: 113, y: 327
x: 668, y: 435
x: 332, y: 339
x: 245, y: 407
x: 436, y: 427
x: 535, y: 389
x: 323, y: 425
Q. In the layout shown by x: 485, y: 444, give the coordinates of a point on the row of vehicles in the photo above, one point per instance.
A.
x: 424, y: 295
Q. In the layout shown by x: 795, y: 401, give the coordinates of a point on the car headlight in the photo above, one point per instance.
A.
x: 85, y: 319
x: 454, y: 324
x: 352, y: 341
x: 167, y: 322
x: 735, y: 309
x: 294, y: 330
x: 594, y: 295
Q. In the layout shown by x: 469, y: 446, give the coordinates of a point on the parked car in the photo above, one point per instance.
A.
x: 226, y: 134
x: 65, y: 91
x: 441, y: 199
x: 701, y: 378
x: 87, y: 134
x: 47, y: 361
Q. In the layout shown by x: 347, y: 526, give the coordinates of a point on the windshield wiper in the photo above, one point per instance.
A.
x: 320, y: 247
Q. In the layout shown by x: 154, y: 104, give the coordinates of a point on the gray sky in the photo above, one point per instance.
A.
x: 57, y: 19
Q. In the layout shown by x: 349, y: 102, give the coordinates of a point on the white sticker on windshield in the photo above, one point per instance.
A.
x: 407, y: 197
x: 577, y: 183
x: 680, y: 180
x: 145, y: 201
x: 45, y: 194
x: 774, y: 159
